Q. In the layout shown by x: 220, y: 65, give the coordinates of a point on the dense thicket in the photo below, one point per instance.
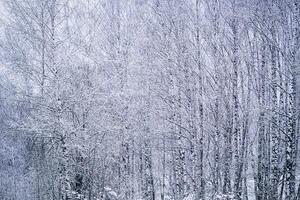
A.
x: 149, y: 99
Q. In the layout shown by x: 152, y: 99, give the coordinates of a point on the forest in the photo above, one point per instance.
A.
x: 149, y: 99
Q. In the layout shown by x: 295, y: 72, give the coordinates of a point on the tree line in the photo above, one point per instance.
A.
x: 149, y: 99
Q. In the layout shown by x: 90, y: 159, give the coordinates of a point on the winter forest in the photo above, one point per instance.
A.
x: 149, y: 99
